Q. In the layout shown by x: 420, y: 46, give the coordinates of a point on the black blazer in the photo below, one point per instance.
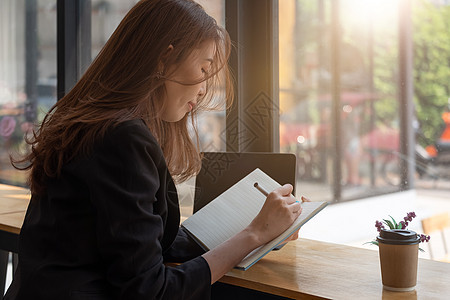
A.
x: 106, y: 226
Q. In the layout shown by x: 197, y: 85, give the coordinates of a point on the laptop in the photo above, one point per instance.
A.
x: 221, y: 170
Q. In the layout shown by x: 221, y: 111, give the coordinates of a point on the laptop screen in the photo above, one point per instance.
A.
x: 220, y: 170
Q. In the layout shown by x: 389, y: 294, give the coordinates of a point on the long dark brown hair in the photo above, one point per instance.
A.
x: 124, y: 83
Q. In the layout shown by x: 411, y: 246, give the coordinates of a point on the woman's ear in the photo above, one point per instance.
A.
x: 164, y: 57
x: 169, y: 49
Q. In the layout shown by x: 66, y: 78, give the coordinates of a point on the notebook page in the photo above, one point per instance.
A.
x: 231, y: 211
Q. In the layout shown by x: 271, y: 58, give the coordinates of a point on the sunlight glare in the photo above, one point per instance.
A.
x: 361, y: 12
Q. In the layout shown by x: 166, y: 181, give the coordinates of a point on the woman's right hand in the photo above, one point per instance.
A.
x: 278, y: 213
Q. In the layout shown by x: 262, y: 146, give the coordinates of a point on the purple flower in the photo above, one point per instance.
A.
x: 404, y: 224
x: 424, y: 238
x: 379, y: 225
x: 410, y: 216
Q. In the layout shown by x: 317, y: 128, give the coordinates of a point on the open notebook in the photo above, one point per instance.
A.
x: 234, y: 209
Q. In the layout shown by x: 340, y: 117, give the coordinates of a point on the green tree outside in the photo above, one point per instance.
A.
x: 431, y: 36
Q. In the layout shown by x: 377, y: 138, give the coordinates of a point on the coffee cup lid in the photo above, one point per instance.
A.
x: 398, y: 237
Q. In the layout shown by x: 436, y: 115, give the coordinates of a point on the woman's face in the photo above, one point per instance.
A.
x: 179, y: 99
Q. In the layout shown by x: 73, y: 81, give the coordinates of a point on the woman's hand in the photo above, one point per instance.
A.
x: 278, y: 213
x: 294, y: 236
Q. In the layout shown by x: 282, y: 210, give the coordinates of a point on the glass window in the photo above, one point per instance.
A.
x: 27, y: 75
x: 431, y: 38
x: 305, y: 99
x: 366, y: 57
x: 366, y: 99
x: 106, y: 16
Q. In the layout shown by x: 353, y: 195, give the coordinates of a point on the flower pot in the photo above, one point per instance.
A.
x: 399, y: 252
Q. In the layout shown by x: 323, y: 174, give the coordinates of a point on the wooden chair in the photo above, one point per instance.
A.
x: 433, y: 225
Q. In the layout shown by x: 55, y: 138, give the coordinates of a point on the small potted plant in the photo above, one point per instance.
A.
x: 398, y: 249
x: 392, y: 224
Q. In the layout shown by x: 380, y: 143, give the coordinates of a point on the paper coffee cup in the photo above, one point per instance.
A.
x: 399, y: 251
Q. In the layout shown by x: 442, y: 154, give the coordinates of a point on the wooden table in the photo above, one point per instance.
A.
x: 303, y: 269
x: 13, y: 205
x: 307, y: 269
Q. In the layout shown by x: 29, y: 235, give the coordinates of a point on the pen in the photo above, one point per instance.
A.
x: 259, y: 188
x: 256, y: 185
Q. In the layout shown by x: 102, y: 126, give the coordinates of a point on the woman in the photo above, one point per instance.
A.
x: 104, y: 214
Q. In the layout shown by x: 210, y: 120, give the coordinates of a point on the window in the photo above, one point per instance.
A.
x: 27, y: 75
x: 335, y: 92
x: 106, y: 16
x: 339, y: 94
